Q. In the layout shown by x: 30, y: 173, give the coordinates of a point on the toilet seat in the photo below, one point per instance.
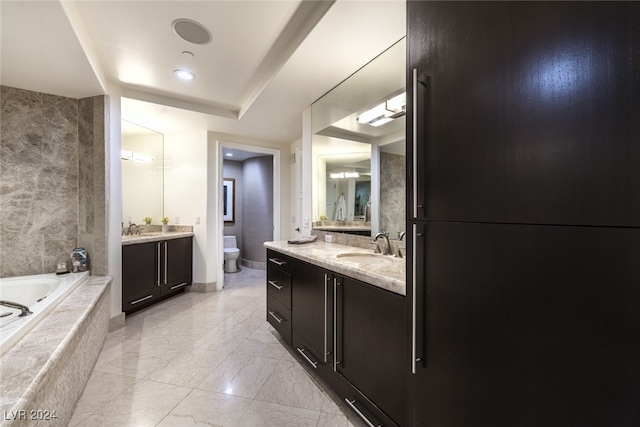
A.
x: 231, y: 250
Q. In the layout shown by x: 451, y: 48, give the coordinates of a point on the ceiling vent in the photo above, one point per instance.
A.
x: 191, y: 31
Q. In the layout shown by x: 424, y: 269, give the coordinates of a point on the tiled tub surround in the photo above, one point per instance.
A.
x: 45, y: 373
x: 52, y: 181
x: 389, y: 276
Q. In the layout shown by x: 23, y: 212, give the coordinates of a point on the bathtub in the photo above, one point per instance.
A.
x: 41, y: 293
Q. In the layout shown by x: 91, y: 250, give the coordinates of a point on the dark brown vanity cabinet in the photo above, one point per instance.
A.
x: 153, y: 270
x: 370, y: 349
x: 348, y: 332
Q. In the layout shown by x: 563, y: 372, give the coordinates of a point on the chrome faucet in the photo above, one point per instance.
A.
x: 131, y: 225
x: 387, y: 247
x: 23, y: 308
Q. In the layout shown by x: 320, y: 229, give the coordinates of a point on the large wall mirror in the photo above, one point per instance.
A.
x: 358, y: 150
x: 142, y: 174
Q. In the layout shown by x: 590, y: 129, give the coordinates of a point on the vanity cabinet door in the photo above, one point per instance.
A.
x: 309, y: 298
x: 371, y: 351
x: 177, y: 261
x: 140, y: 284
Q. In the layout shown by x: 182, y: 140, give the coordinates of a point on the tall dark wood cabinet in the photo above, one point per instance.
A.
x: 523, y: 213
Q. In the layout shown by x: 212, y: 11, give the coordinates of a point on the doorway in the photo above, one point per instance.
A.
x: 253, y: 215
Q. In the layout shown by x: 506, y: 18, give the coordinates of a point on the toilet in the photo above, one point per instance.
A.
x: 231, y: 254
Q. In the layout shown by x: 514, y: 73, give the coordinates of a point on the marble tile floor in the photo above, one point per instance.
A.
x: 205, y: 359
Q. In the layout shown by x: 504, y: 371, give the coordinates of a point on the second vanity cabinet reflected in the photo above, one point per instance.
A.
x: 153, y: 270
x: 349, y: 332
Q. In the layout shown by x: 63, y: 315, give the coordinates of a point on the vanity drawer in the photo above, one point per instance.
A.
x: 279, y: 317
x: 279, y: 261
x: 279, y: 286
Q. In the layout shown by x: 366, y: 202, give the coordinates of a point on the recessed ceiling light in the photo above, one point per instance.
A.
x: 229, y: 154
x: 184, y: 74
x: 191, y: 31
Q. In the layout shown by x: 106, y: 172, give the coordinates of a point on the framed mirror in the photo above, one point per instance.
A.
x: 358, y: 149
x: 142, y: 174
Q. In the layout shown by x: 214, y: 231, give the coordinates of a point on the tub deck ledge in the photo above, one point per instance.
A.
x: 45, y: 373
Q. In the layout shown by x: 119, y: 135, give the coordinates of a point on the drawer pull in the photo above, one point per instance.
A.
x: 275, y: 316
x: 179, y: 286
x: 277, y: 261
x: 352, y: 405
x: 275, y: 285
x: 141, y: 299
x: 311, y: 362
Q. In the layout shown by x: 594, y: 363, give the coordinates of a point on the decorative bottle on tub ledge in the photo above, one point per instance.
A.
x: 79, y: 260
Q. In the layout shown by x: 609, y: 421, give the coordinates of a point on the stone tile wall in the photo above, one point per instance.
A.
x: 49, y: 145
x: 393, y: 193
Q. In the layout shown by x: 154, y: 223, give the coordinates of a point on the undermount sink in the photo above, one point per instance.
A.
x: 363, y: 258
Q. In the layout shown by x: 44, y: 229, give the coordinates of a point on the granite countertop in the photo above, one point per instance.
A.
x: 342, y: 227
x: 154, y: 237
x: 388, y: 273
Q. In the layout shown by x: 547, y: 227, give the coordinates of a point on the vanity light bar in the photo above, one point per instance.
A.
x: 383, y: 113
x: 136, y: 157
x: 341, y: 175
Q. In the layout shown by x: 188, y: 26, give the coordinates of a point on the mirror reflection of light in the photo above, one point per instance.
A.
x: 562, y: 76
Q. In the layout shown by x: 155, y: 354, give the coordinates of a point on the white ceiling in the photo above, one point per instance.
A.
x: 267, y: 62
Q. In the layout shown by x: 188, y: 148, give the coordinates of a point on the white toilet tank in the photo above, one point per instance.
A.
x: 230, y: 242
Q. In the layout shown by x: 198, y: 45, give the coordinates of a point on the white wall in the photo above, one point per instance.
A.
x: 186, y: 191
x: 114, y: 201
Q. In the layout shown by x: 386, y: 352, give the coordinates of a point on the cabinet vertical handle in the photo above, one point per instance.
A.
x: 158, y: 262
x: 335, y: 324
x: 165, y: 263
x: 415, y: 357
x: 415, y: 142
x: 326, y: 278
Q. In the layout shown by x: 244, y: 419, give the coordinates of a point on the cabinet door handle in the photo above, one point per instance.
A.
x: 277, y: 261
x: 414, y: 131
x: 275, y: 316
x: 158, y: 262
x: 415, y: 357
x: 275, y: 285
x: 326, y: 314
x: 165, y: 262
x: 311, y: 362
x: 336, y: 353
x: 352, y: 405
x: 415, y: 142
x: 141, y: 299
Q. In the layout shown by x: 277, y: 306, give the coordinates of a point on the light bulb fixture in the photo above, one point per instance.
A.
x: 342, y: 175
x: 383, y: 113
x: 184, y: 74
x: 136, y: 157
